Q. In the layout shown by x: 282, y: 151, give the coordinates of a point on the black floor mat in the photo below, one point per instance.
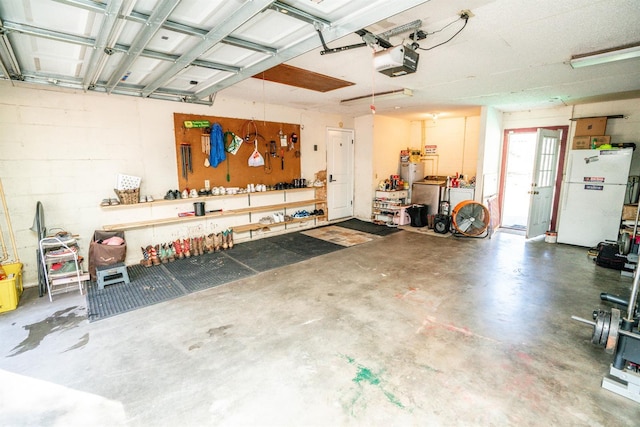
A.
x: 167, y: 281
x: 367, y: 227
x: 206, y: 271
x: 264, y: 254
x: 305, y: 246
x: 148, y: 286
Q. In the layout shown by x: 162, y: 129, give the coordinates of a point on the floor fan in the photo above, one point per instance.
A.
x: 470, y: 218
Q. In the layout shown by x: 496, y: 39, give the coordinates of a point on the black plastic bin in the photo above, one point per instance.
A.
x: 418, y: 215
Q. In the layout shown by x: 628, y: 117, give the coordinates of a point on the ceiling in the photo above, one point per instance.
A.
x: 512, y: 54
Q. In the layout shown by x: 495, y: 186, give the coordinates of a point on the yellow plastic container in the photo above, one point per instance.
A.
x: 11, y: 289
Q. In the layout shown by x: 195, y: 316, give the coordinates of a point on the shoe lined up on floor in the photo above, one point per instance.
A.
x: 186, y: 248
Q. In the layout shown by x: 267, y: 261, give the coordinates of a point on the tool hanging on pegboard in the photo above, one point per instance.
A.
x: 185, y: 158
x: 205, y: 143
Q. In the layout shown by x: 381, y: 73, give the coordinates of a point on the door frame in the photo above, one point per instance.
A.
x: 329, y: 167
x: 559, y: 172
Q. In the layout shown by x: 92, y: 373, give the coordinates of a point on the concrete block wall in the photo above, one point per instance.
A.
x: 65, y: 149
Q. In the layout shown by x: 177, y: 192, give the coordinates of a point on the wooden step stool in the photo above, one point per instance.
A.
x: 110, y: 274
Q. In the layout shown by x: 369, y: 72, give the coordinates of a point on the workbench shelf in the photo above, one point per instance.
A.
x: 245, y: 204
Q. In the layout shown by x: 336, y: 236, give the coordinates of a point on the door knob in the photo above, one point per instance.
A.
x: 331, y: 178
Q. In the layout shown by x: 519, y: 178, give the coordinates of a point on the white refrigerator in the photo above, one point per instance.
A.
x: 411, y: 172
x: 593, y: 196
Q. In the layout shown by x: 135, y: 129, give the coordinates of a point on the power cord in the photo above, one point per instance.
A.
x: 422, y: 35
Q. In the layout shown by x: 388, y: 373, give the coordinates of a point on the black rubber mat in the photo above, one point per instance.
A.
x: 167, y: 281
x: 148, y: 286
x: 206, y: 271
x: 264, y: 254
x: 367, y: 227
x: 305, y: 246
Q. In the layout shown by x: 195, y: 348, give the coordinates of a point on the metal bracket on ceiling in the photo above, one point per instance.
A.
x: 371, y: 39
x: 299, y: 14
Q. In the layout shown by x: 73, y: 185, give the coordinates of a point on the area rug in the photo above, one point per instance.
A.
x: 340, y: 235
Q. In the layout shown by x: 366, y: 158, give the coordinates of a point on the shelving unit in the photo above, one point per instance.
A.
x: 387, y: 205
x: 250, y: 204
x: 61, y: 264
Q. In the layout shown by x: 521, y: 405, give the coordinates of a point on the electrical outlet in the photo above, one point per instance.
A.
x: 467, y: 13
x: 207, y: 184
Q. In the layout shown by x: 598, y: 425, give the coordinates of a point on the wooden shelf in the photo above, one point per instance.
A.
x: 210, y: 215
x: 257, y: 226
x: 204, y: 198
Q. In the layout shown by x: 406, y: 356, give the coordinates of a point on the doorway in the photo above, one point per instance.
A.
x: 520, y: 172
x: 340, y: 179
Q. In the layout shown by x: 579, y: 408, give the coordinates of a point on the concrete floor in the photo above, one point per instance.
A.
x: 405, y: 330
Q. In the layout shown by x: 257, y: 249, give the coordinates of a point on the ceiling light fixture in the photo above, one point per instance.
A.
x: 605, y: 56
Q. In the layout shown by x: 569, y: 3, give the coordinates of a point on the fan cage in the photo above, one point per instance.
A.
x: 470, y: 218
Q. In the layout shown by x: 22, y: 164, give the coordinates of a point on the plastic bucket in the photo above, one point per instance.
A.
x: 551, y: 237
x: 199, y: 208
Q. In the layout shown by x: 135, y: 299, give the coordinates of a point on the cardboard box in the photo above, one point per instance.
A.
x: 591, y: 126
x: 11, y: 289
x: 629, y: 212
x: 584, y: 142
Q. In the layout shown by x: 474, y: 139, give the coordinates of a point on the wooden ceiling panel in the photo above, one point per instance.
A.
x: 298, y: 77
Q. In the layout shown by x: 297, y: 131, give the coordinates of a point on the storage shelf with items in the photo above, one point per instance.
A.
x: 242, y: 212
x: 389, y: 206
x: 62, y: 266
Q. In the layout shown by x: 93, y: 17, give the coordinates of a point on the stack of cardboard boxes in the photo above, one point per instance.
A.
x: 590, y: 133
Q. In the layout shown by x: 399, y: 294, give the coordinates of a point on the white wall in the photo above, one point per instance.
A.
x: 490, y: 149
x: 66, y: 148
x: 457, y: 141
x: 378, y: 143
x: 557, y: 116
x: 363, y: 167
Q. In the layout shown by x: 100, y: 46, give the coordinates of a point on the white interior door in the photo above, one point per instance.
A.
x: 339, y: 173
x: 543, y: 183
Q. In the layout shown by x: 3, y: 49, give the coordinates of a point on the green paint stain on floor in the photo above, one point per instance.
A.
x: 365, y: 374
x: 393, y: 399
